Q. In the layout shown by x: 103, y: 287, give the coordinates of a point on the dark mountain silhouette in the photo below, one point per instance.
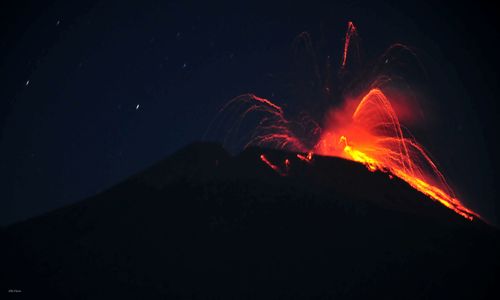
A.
x: 205, y: 224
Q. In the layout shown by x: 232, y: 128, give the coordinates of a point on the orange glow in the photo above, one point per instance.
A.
x: 306, y: 158
x: 366, y: 129
x: 373, y: 136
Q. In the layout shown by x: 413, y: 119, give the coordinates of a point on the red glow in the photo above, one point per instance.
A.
x: 306, y: 158
x: 373, y: 136
x: 273, y: 130
x: 366, y: 129
x: 287, y: 164
x: 271, y: 165
x: 351, y: 31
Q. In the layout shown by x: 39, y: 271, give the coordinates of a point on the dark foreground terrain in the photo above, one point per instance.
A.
x: 204, y: 224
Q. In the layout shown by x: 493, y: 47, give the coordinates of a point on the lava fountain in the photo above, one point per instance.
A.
x: 365, y: 129
x: 373, y: 136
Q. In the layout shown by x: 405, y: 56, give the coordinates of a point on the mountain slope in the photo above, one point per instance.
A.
x: 203, y: 223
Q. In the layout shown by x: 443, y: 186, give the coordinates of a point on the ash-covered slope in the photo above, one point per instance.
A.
x: 204, y: 224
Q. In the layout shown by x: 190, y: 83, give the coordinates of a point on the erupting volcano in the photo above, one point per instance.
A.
x: 373, y: 136
x: 364, y: 129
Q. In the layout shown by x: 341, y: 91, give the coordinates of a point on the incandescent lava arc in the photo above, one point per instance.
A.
x: 365, y: 129
x: 374, y: 137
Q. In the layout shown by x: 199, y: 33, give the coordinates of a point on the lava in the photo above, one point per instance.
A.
x: 374, y: 137
x: 366, y: 129
x: 351, y: 31
x: 273, y: 166
x: 306, y: 158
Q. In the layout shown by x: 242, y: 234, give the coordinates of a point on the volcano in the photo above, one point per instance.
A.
x: 206, y: 224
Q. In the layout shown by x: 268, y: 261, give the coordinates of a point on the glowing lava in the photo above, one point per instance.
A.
x: 374, y: 137
x: 351, y: 31
x: 365, y: 129
x: 273, y: 166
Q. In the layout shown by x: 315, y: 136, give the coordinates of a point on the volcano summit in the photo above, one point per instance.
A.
x: 205, y: 224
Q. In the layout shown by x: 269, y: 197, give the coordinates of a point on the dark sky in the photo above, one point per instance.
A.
x: 95, y: 91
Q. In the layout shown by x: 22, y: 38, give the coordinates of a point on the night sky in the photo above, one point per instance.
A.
x: 95, y: 91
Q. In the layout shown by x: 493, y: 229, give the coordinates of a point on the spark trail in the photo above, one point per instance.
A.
x: 374, y: 137
x: 366, y: 129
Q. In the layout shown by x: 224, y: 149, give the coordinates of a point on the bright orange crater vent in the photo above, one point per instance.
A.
x: 373, y: 136
x: 365, y: 130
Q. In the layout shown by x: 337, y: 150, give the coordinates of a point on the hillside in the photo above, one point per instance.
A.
x: 203, y: 223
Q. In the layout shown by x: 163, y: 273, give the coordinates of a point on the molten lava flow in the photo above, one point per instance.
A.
x: 370, y: 133
x: 366, y: 130
x: 374, y: 137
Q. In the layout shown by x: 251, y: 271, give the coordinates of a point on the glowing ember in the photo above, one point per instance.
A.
x: 351, y: 31
x: 306, y: 158
x: 365, y: 129
x: 271, y: 165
